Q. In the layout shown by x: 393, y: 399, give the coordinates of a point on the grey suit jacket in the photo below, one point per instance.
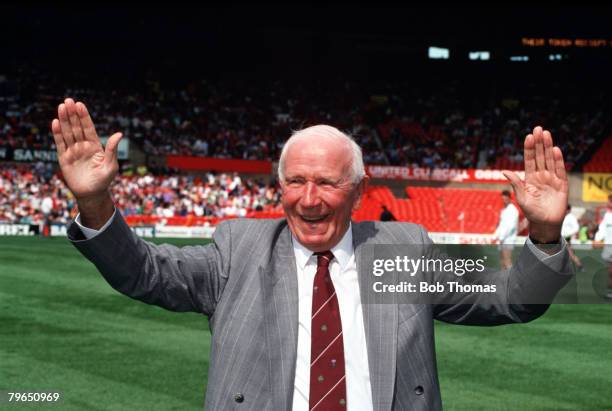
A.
x: 246, y: 282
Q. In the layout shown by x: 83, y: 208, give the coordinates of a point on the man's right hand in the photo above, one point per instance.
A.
x: 87, y: 167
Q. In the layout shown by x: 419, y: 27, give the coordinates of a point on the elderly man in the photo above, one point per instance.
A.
x: 285, y: 297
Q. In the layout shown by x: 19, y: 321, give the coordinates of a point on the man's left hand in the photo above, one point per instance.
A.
x: 543, y: 194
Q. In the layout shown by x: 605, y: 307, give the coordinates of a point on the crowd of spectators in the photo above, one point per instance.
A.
x: 34, y: 194
x: 396, y: 123
x: 213, y: 195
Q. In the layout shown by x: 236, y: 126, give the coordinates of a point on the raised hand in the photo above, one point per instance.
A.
x: 87, y: 167
x: 543, y: 194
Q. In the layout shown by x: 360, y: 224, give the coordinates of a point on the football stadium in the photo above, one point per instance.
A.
x: 440, y: 99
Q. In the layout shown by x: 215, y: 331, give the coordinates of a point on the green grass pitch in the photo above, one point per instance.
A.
x: 63, y: 328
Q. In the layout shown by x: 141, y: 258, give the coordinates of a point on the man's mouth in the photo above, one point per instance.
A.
x: 313, y: 219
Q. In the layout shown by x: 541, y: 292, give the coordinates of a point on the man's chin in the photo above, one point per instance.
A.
x: 314, y: 242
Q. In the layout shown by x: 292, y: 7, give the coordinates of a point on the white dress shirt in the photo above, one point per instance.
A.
x: 90, y: 233
x: 343, y: 272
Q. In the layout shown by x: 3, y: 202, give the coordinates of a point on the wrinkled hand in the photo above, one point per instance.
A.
x: 543, y: 194
x: 87, y: 167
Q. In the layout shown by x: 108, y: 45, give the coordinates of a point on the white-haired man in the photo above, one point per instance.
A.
x: 285, y: 298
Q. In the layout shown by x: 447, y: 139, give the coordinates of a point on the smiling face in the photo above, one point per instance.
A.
x: 319, y: 194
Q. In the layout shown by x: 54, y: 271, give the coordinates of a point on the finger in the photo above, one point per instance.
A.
x: 559, y: 163
x: 60, y: 144
x: 529, y: 154
x: 110, y: 152
x: 539, y: 149
x: 77, y: 129
x: 548, y: 151
x: 517, y: 184
x: 65, y: 125
x: 89, y: 130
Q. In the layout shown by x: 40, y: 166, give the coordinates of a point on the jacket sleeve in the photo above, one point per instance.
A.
x: 190, y: 278
x: 532, y: 278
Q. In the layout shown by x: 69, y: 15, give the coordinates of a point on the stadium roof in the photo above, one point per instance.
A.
x: 338, y: 33
x: 496, y: 22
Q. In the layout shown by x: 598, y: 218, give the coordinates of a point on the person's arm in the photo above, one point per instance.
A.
x: 90, y: 233
x: 522, y: 294
x: 180, y: 279
x: 189, y: 278
x: 542, y: 269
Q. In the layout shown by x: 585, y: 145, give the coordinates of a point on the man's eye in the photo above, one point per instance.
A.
x: 327, y: 183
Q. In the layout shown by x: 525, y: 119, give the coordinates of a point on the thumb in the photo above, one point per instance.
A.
x: 516, y: 182
x: 110, y: 152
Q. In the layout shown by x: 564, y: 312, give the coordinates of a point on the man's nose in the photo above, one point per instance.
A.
x: 310, y: 196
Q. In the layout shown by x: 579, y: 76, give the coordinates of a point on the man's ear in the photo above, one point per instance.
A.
x: 281, y: 186
x: 361, y: 189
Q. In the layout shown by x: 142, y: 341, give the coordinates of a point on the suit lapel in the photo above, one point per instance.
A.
x: 380, y: 320
x: 280, y: 292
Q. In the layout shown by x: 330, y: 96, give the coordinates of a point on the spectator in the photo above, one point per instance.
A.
x: 387, y: 215
x: 604, y: 237
x: 569, y: 230
x: 507, y: 229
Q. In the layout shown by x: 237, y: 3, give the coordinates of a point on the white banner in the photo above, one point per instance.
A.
x: 15, y: 229
x: 460, y: 175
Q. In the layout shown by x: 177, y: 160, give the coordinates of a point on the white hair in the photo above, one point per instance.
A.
x: 331, y: 134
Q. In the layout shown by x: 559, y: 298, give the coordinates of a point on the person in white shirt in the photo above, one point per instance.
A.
x: 604, y: 235
x: 46, y: 207
x: 507, y: 229
x: 569, y: 229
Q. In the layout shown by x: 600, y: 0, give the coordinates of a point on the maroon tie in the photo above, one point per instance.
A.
x: 327, y: 378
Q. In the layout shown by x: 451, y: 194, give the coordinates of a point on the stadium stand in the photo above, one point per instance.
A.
x: 601, y: 162
x: 146, y: 199
x: 395, y: 123
x: 438, y: 209
x: 409, y: 124
x: 190, y: 200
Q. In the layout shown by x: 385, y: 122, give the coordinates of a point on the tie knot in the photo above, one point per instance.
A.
x: 324, y: 258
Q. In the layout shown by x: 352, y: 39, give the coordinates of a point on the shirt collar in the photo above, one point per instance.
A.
x: 342, y: 251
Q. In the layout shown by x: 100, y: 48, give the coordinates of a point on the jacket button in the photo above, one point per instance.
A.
x: 238, y: 397
x: 418, y: 390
